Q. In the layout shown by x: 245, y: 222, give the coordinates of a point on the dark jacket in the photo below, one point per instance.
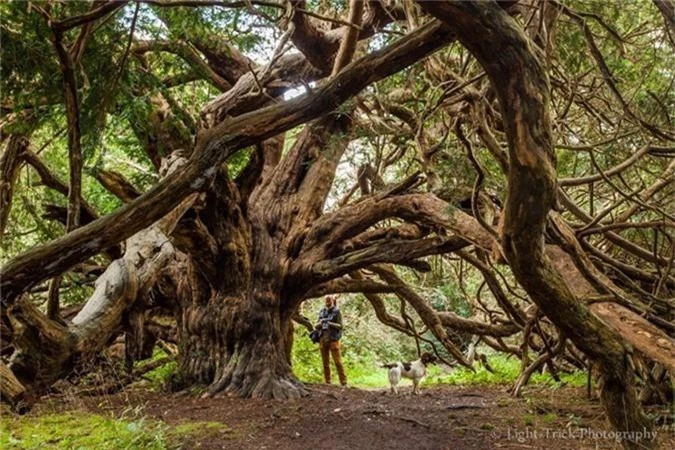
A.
x: 334, y: 325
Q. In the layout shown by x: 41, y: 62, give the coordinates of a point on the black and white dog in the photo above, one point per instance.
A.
x: 415, y: 370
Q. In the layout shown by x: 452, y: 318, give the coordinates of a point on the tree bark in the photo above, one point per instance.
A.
x: 10, y: 162
x: 13, y: 392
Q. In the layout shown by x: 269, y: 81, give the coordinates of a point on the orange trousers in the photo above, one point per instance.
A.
x: 332, y: 348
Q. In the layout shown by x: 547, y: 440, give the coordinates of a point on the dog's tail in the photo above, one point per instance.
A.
x: 389, y: 365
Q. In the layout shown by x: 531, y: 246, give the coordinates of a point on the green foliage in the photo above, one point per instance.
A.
x: 549, y: 417
x: 306, y: 357
x: 200, y: 428
x: 448, y: 297
x: 84, y: 431
x: 182, y: 432
x: 163, y: 376
x: 574, y: 379
x: 361, y: 360
x: 77, y: 430
x: 506, y: 371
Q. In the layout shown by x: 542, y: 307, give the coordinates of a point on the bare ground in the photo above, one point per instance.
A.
x: 335, y: 418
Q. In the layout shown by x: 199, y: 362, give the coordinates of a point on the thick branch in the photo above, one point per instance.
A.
x: 345, y: 285
x: 423, y: 209
x: 214, y: 146
x: 309, y: 38
x: 667, y: 8
x: 394, y: 251
x: 292, y: 70
x: 10, y: 161
x: 189, y: 55
x: 455, y: 322
x: 116, y: 184
x: 12, y: 391
x: 350, y: 39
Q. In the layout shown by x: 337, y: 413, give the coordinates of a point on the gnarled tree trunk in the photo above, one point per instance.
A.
x: 521, y: 83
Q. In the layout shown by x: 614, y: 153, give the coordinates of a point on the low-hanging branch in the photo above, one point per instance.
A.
x: 123, y: 282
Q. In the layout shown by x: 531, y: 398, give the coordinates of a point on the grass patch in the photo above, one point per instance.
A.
x: 362, y: 371
x: 183, y: 431
x: 190, y: 428
x: 362, y: 363
x: 549, y: 417
x: 162, y: 377
x: 506, y: 371
x: 85, y: 431
x: 80, y: 431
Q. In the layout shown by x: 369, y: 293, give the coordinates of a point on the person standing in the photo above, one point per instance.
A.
x: 330, y: 327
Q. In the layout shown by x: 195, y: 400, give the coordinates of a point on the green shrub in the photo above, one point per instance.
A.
x: 163, y: 377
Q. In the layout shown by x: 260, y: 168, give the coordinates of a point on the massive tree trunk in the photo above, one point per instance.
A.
x: 232, y: 326
x: 235, y: 323
x: 236, y: 344
x: 238, y: 348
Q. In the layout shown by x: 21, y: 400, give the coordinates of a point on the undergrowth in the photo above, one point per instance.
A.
x: 85, y: 431
x: 163, y: 376
x: 80, y: 431
x: 506, y: 371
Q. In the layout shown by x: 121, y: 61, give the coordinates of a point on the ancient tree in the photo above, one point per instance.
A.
x: 513, y: 135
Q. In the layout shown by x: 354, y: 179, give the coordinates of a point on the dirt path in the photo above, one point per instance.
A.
x: 334, y: 418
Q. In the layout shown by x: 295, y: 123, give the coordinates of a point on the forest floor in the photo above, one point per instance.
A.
x: 335, y: 418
